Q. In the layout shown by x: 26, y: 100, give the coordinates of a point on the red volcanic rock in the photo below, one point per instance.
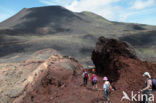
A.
x: 106, y: 54
x: 118, y: 61
x: 58, y: 79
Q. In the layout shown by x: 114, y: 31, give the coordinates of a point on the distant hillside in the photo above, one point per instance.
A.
x: 68, y: 32
x: 56, y: 19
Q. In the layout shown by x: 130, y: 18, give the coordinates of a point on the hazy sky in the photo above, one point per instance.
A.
x: 136, y: 11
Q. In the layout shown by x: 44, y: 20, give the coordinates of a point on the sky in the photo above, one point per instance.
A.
x: 134, y: 11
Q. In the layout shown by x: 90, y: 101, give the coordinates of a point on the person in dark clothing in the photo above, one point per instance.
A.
x: 85, y: 76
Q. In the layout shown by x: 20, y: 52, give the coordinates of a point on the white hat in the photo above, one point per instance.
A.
x: 147, y: 74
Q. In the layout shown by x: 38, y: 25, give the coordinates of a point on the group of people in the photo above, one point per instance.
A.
x: 150, y: 84
x: 94, y: 79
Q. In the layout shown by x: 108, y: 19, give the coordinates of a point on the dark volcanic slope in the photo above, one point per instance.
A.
x: 68, y: 32
x: 47, y: 20
x: 56, y: 19
x: 32, y: 20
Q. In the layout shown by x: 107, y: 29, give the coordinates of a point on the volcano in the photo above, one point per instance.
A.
x: 70, y: 33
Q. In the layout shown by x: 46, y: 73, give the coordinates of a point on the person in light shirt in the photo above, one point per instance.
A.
x: 107, y: 88
x: 85, y: 76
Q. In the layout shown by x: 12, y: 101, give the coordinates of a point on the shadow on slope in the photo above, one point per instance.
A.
x: 42, y: 18
x: 10, y: 46
x: 142, y: 39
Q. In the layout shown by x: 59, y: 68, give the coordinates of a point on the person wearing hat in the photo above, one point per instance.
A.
x: 107, y: 88
x: 148, y: 87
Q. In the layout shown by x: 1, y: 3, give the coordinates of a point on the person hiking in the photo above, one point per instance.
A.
x: 85, y: 76
x: 94, y: 80
x: 93, y: 71
x: 149, y: 85
x: 107, y: 89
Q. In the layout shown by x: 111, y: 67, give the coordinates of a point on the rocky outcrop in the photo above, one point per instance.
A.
x: 21, y: 81
x: 39, y: 80
x: 106, y: 54
x: 117, y: 61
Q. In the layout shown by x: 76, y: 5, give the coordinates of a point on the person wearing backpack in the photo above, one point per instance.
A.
x: 85, y: 76
x: 149, y: 85
x: 94, y: 81
x: 107, y: 88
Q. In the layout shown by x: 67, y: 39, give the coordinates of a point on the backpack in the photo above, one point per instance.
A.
x: 154, y: 84
x: 94, y: 79
x: 86, y: 75
x: 109, y: 88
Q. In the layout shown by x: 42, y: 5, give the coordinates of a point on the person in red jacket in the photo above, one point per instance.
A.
x: 94, y: 81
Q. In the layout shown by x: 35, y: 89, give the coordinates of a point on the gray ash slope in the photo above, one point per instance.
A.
x: 70, y: 33
x: 56, y: 19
